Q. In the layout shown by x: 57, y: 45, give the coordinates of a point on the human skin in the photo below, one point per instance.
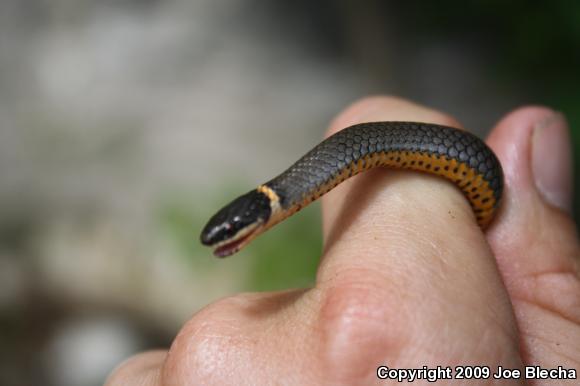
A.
x: 407, y: 278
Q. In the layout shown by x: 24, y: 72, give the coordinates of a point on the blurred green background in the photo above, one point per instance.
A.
x: 126, y: 124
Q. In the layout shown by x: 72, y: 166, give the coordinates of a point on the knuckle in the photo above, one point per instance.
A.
x: 349, y: 313
x: 205, y: 341
x: 555, y: 292
x: 354, y: 315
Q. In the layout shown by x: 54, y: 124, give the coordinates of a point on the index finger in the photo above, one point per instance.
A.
x: 405, y: 257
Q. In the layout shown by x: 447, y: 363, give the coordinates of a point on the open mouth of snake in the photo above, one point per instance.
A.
x: 231, y: 247
x: 228, y: 248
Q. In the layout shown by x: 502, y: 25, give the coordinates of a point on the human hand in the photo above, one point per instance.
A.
x: 407, y: 279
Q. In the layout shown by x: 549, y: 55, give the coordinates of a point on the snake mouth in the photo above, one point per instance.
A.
x: 230, y: 248
x: 240, y: 240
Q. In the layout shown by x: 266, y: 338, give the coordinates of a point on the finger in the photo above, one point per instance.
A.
x: 404, y: 260
x: 534, y: 238
x: 141, y: 370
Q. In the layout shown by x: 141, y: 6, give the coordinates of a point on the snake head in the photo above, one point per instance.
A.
x: 236, y: 224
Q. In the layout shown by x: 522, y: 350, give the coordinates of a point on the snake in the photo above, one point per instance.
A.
x: 451, y: 153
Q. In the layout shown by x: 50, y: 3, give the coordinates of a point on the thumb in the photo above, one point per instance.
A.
x: 534, y: 238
